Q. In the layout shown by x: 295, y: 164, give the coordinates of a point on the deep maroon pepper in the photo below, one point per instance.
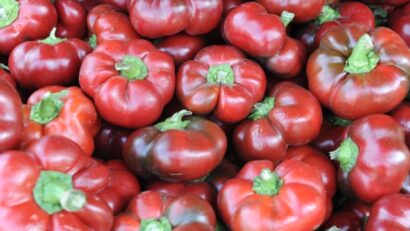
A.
x: 399, y: 21
x: 71, y: 19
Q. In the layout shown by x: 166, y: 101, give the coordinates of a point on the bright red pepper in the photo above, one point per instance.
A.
x: 323, y: 164
x: 262, y: 197
x: 152, y: 210
x: 391, y: 212
x: 130, y: 82
x: 250, y: 28
x: 51, y: 61
x: 304, y: 11
x: 120, y: 4
x: 373, y: 158
x: 176, y: 150
x: 52, y: 186
x: 220, y: 80
x: 67, y: 112
x: 351, y: 217
x: 109, y: 141
x: 290, y: 115
x: 71, y: 19
x: 157, y: 18
x: 107, y: 23
x: 11, y: 121
x: 182, y: 47
x: 357, y: 74
x: 25, y: 20
x: 399, y: 21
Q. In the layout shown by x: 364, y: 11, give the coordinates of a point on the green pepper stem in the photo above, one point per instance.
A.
x: 267, y: 183
x: 48, y: 108
x: 132, y: 68
x: 4, y: 67
x: 9, y: 11
x: 221, y: 74
x: 286, y: 17
x: 346, y: 154
x: 262, y: 109
x: 52, y: 39
x: 333, y: 228
x: 175, y: 121
x: 92, y: 41
x: 327, y: 14
x: 337, y: 121
x: 54, y: 192
x: 363, y: 59
x: 161, y: 224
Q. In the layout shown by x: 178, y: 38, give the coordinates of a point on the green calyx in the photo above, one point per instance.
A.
x: 9, y: 11
x: 221, y: 74
x: 333, y: 228
x: 286, y: 17
x: 161, y: 224
x: 327, y: 14
x: 337, y: 121
x: 175, y: 121
x: 346, y: 154
x: 52, y: 39
x: 4, y: 67
x: 92, y: 41
x: 132, y: 68
x: 267, y: 183
x: 262, y: 109
x: 54, y: 192
x: 380, y: 14
x: 363, y: 59
x: 48, y: 108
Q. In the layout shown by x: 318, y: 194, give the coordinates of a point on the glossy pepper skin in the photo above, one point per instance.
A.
x: 25, y: 20
x: 5, y: 75
x: 351, y: 217
x: 151, y: 210
x: 120, y: 4
x: 343, y: 14
x: 176, y: 150
x: 71, y: 19
x: 399, y: 21
x: 11, y: 120
x: 158, y: 18
x: 378, y: 138
x: 109, y: 141
x: 182, y: 47
x: 222, y: 81
x: 356, y: 74
x: 290, y: 196
x: 402, y: 115
x: 56, y: 110
x: 106, y: 23
x: 391, y: 212
x: 252, y: 29
x: 290, y: 115
x: 323, y: 164
x: 130, y: 82
x: 51, y: 61
x: 52, y: 185
x: 304, y: 11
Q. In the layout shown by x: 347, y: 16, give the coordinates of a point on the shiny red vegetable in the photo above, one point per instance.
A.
x: 352, y: 217
x: 71, y: 19
x: 399, y: 21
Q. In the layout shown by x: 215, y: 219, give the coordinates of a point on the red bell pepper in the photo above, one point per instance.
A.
x: 11, y: 121
x: 61, y: 111
x: 225, y: 171
x: 399, y: 21
x: 323, y: 164
x: 176, y: 150
x: 109, y: 141
x: 152, y: 210
x: 229, y: 5
x: 402, y: 115
x: 106, y: 23
x: 52, y: 186
x: 304, y: 11
x: 120, y: 4
x: 351, y: 217
x: 130, y: 82
x: 51, y: 61
x: 220, y: 80
x: 250, y: 28
x: 154, y: 19
x: 373, y: 158
x: 262, y: 197
x: 290, y: 115
x: 391, y: 212
x: 182, y: 47
x: 71, y: 19
x: 357, y: 74
x: 24, y: 20
x: 343, y: 14
x: 5, y: 75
